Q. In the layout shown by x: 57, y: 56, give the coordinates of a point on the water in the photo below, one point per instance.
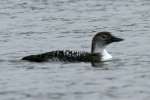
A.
x: 36, y: 26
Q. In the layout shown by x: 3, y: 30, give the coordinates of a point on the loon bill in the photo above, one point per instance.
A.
x: 97, y: 54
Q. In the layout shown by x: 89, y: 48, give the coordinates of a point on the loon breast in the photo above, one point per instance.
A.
x: 106, y: 56
x: 67, y: 55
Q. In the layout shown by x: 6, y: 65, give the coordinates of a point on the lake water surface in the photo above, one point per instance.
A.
x: 37, y: 26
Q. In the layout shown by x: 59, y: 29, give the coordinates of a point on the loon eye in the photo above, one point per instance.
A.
x: 104, y: 37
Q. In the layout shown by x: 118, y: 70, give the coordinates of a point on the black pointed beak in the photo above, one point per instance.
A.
x: 116, y: 39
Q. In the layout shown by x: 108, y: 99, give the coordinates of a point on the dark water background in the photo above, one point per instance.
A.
x: 35, y: 26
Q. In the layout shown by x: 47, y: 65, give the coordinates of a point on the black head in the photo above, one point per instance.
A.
x: 105, y: 38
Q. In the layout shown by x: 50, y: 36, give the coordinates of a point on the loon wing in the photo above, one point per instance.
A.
x: 67, y: 55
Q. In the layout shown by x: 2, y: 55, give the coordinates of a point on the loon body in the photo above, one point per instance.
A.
x: 67, y: 56
x: 97, y: 54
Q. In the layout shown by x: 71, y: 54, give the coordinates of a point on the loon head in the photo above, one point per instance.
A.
x: 100, y: 41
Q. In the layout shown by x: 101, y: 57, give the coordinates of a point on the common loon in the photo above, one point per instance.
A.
x: 97, y: 54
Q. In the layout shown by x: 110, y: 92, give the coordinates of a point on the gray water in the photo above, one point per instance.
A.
x: 37, y: 26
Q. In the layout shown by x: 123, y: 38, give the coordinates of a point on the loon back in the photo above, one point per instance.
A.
x: 66, y: 56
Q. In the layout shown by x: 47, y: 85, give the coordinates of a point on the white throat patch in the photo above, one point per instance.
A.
x: 106, y: 56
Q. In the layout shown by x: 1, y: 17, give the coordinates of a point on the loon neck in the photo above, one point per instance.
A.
x: 102, y: 51
x: 106, y: 56
x: 97, y: 47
